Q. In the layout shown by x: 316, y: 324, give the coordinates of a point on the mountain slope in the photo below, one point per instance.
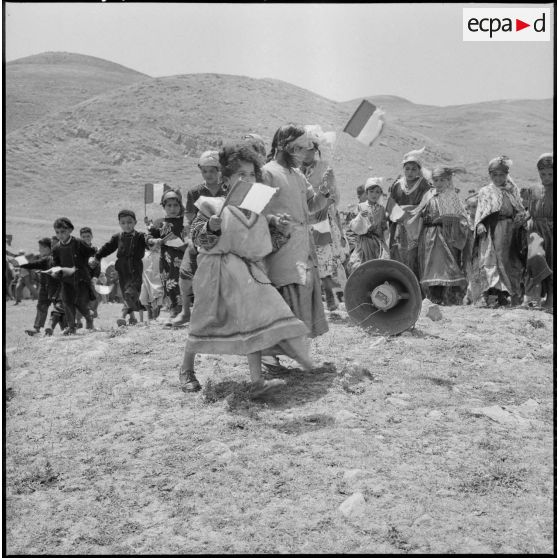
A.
x: 95, y: 157
x: 53, y: 81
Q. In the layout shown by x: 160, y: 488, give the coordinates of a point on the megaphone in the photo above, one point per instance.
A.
x: 383, y: 296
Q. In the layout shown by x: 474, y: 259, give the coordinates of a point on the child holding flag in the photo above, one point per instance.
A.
x: 170, y: 229
x: 236, y: 308
x: 130, y: 248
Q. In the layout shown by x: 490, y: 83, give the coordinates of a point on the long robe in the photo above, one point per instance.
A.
x: 441, y: 241
x: 500, y: 265
x: 293, y: 269
x: 236, y: 308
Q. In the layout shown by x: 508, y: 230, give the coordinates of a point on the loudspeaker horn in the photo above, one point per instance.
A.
x: 383, y: 296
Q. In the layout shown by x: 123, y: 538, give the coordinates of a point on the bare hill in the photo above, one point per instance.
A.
x: 53, y: 81
x: 89, y: 160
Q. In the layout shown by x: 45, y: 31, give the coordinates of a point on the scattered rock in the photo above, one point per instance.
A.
x: 435, y: 414
x: 528, y: 407
x: 354, y: 506
x: 471, y: 337
x: 473, y: 546
x: 500, y: 360
x: 353, y: 474
x: 425, y: 521
x: 397, y: 402
x: 346, y: 417
x: 434, y: 313
x: 216, y: 451
x: 377, y: 343
x: 501, y: 415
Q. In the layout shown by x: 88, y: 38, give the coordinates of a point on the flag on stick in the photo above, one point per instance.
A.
x: 154, y: 192
x: 366, y: 124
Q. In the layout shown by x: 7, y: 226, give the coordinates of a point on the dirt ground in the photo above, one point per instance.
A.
x: 439, y: 440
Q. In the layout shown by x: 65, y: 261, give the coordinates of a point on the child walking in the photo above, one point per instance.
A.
x: 76, y: 293
x: 236, y: 308
x: 171, y: 257
x: 129, y: 246
x: 47, y: 284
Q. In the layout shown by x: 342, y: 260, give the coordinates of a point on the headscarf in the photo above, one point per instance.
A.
x: 373, y: 182
x: 545, y: 161
x: 173, y: 194
x: 413, y: 157
x: 209, y: 159
x: 441, y: 171
x: 502, y: 163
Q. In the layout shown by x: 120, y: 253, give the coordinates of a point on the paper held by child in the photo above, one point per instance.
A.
x: 21, y: 260
x: 104, y: 289
x: 57, y: 270
x: 322, y: 227
x: 173, y: 241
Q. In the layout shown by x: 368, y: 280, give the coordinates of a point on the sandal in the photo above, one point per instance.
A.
x: 188, y: 381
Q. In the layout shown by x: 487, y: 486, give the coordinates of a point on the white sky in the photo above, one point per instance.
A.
x: 340, y: 51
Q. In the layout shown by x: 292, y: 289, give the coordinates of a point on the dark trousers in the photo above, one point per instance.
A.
x: 43, y: 303
x: 76, y: 297
x: 21, y: 284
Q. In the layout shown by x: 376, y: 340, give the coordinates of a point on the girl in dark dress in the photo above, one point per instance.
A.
x: 170, y: 228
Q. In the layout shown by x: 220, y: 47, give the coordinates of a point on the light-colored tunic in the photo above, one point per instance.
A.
x: 236, y: 308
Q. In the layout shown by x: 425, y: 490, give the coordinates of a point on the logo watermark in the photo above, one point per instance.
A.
x: 507, y: 24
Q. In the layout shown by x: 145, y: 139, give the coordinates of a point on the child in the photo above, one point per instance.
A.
x: 151, y: 295
x: 130, y: 248
x: 407, y: 191
x: 500, y: 217
x: 24, y: 280
x: 212, y: 187
x: 369, y: 227
x: 47, y: 284
x: 236, y: 308
x: 171, y: 257
x: 442, y: 240
x: 76, y: 292
x: 86, y: 234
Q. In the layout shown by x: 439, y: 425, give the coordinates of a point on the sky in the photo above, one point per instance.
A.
x: 340, y: 51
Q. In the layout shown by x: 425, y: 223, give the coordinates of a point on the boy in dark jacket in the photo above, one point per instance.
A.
x: 130, y: 248
x: 72, y: 254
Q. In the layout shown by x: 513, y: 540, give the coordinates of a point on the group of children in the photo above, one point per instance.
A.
x: 496, y: 249
x: 251, y: 283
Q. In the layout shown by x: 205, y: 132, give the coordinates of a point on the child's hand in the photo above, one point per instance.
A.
x: 92, y: 262
x: 147, y: 220
x: 214, y: 223
x: 481, y: 229
x: 283, y: 222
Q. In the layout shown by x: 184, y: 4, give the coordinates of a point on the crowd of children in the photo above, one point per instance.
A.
x: 252, y: 283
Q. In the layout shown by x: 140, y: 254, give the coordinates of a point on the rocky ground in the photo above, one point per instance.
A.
x: 439, y: 440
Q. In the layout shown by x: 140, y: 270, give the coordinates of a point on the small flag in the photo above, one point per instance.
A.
x: 154, y: 192
x: 366, y: 124
x: 257, y: 197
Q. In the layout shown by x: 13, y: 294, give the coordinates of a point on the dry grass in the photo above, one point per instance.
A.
x: 104, y: 453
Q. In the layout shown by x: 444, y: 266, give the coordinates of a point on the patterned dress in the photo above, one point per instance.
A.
x: 370, y: 244
x: 500, y: 264
x: 171, y: 258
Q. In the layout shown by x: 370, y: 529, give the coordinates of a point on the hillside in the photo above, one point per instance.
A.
x: 96, y: 156
x: 54, y: 81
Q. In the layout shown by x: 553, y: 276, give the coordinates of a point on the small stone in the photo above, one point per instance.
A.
x: 528, y: 407
x: 216, y: 451
x: 434, y: 313
x: 345, y: 417
x: 471, y: 337
x: 354, y: 506
x: 501, y: 415
x: 352, y: 474
x: 397, y: 402
x: 424, y: 521
x: 500, y: 360
x: 435, y: 414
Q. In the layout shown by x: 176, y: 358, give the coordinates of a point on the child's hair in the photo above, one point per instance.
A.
x: 86, y: 230
x: 232, y: 154
x: 63, y: 223
x: 172, y: 193
x: 256, y: 142
x: 283, y: 136
x: 360, y: 190
x: 126, y: 213
x: 46, y: 242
